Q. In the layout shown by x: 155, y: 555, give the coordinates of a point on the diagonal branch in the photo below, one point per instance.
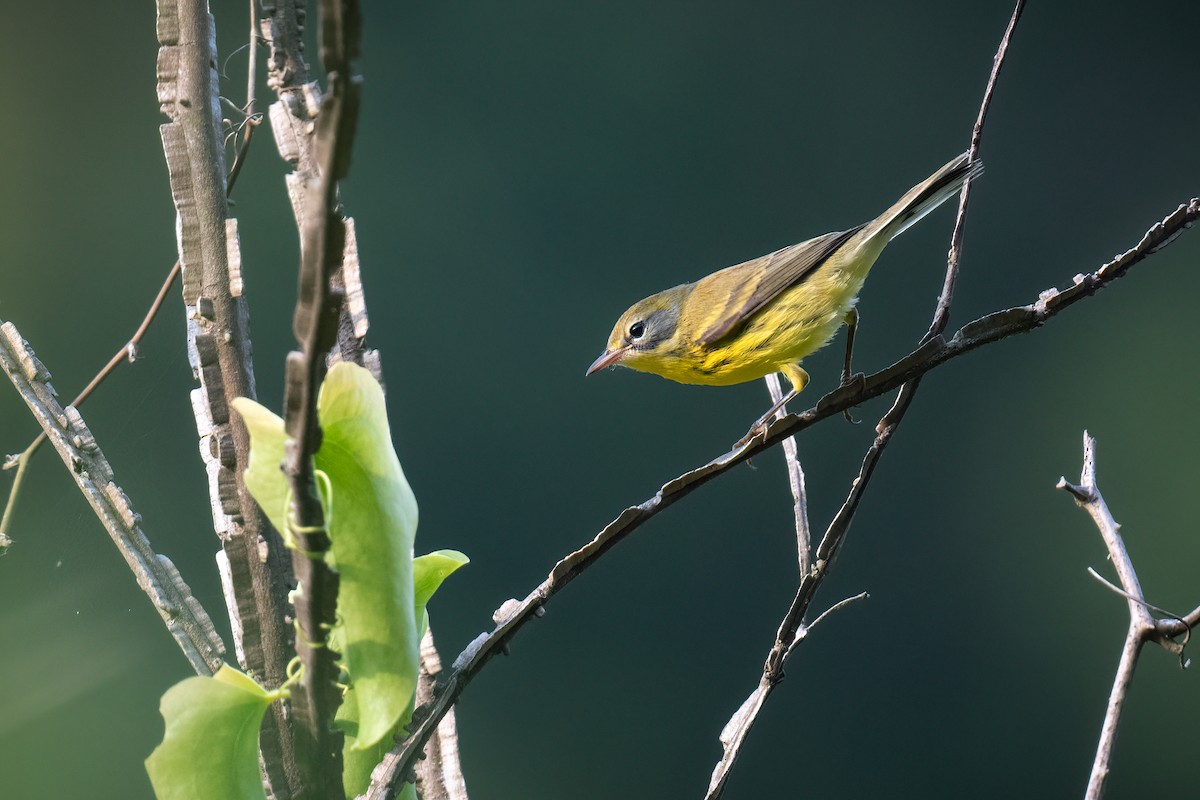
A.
x: 185, y: 618
x: 985, y: 330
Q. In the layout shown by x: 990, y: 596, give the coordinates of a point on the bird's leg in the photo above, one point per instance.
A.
x: 799, y: 379
x: 851, y: 329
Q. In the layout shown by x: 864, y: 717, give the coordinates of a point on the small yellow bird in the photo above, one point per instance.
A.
x: 765, y: 315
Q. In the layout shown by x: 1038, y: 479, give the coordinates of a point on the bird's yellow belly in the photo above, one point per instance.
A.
x: 799, y: 322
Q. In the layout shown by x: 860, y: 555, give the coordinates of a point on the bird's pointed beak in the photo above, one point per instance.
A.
x: 608, y: 358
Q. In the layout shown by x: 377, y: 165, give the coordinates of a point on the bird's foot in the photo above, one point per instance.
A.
x: 757, y: 429
x: 855, y: 384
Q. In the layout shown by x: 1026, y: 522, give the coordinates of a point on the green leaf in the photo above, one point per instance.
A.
x: 372, y: 518
x: 357, y: 762
x: 210, y: 748
x: 264, y: 478
x: 428, y: 573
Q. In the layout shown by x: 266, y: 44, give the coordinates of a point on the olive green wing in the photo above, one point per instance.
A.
x: 771, y: 275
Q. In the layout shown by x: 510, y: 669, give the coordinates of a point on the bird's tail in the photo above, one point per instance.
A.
x: 923, y: 198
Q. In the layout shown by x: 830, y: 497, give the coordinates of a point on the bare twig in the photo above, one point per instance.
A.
x: 941, y: 315
x: 1087, y: 496
x: 985, y: 330
x: 735, y: 730
x: 156, y: 575
x: 21, y: 462
x: 795, y: 481
x: 252, y: 119
x: 219, y: 352
x: 1143, y: 627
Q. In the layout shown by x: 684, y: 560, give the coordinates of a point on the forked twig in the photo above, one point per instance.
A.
x: 1143, y: 627
x: 792, y: 628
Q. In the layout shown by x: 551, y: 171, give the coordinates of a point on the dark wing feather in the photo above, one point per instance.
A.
x: 784, y: 269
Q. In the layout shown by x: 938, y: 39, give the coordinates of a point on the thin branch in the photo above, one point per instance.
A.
x: 252, y: 65
x: 1143, y: 626
x: 1180, y: 626
x: 735, y: 730
x: 21, y: 462
x: 183, y: 615
x: 252, y: 118
x: 941, y: 315
x: 1118, y: 590
x: 985, y: 330
x: 795, y: 482
x: 1087, y: 496
x: 126, y: 353
x: 733, y: 735
x: 792, y: 629
x: 1130, y: 651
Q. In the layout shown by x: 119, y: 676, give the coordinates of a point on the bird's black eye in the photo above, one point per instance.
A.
x: 637, y: 330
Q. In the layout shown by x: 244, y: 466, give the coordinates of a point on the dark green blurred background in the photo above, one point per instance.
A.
x: 523, y: 172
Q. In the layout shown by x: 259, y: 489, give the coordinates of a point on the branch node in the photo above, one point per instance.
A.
x: 1082, y: 496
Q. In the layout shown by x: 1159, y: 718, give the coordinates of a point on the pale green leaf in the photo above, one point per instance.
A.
x: 264, y: 478
x: 210, y: 748
x: 428, y: 573
x: 372, y: 522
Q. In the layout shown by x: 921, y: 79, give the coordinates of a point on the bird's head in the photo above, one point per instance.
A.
x: 645, y: 334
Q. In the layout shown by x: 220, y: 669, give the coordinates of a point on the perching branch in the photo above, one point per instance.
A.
x: 1143, y: 627
x: 219, y: 352
x: 185, y: 618
x: 792, y: 628
x: 985, y: 330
